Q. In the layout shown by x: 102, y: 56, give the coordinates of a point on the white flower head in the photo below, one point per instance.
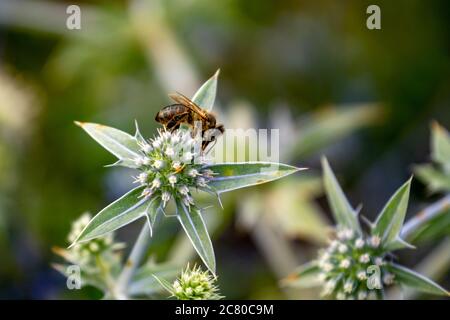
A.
x: 325, y: 256
x: 167, y: 135
x: 165, y: 197
x: 334, y: 244
x: 322, y: 262
x: 322, y: 277
x: 330, y: 285
x: 208, y: 173
x: 158, y: 164
x: 142, y: 178
x: 188, y: 200
x: 138, y: 161
x: 178, y: 290
x: 348, y: 286
x: 348, y: 234
x: 365, y: 258
x: 84, y: 220
x: 189, y: 291
x: 157, y: 143
x: 359, y: 243
x: 147, y: 192
x: 340, y: 234
x: 176, y: 165
x: 379, y: 261
x: 93, y: 246
x: 172, y: 180
x: 185, y: 277
x: 187, y: 139
x: 184, y: 190
x: 375, y: 241
x: 156, y: 183
x: 345, y: 263
x: 327, y: 267
x: 201, y: 182
x: 342, y: 248
x: 82, y: 253
x: 361, y: 275
x: 193, y: 173
x: 345, y: 234
x: 175, y: 139
x: 187, y: 156
x: 146, y: 161
x: 147, y: 148
x: 170, y: 152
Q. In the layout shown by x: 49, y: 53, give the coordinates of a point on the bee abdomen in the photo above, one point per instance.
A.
x: 169, y: 112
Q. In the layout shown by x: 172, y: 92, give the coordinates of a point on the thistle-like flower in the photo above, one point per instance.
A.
x: 84, y: 252
x: 356, y: 264
x: 193, y: 284
x: 344, y: 264
x: 170, y: 165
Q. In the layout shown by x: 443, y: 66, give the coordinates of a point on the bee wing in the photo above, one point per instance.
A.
x: 179, y: 98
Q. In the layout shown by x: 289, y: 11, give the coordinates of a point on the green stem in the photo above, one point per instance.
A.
x: 106, y: 275
x: 137, y: 253
x: 425, y: 216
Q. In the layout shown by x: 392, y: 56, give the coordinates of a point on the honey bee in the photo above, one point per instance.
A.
x: 187, y: 112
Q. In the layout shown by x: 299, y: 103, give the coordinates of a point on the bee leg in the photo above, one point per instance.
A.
x: 172, y: 125
x: 206, y: 143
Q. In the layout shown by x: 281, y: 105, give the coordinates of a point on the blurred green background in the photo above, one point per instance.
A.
x: 364, y: 98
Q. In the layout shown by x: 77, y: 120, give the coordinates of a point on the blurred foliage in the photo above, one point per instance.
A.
x: 436, y: 228
x: 284, y: 60
x: 437, y: 175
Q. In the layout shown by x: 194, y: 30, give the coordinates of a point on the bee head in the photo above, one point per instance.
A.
x: 158, y: 117
x: 211, y: 119
x: 221, y: 128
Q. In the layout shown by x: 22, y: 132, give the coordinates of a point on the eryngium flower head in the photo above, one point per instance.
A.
x: 84, y: 252
x: 195, y: 284
x: 353, y: 267
x: 170, y: 165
